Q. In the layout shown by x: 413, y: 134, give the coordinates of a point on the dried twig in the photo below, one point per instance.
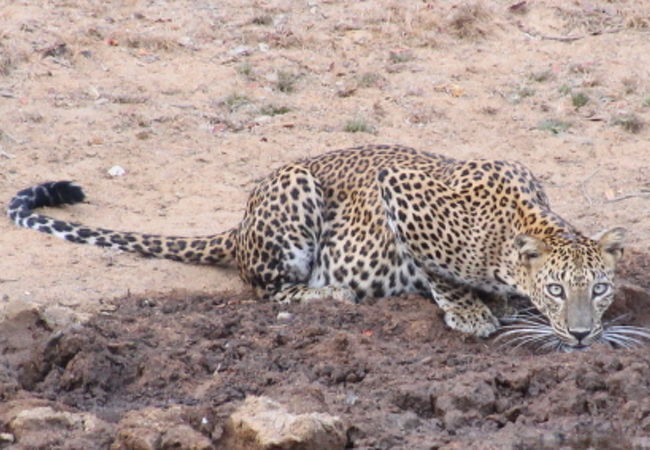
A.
x: 627, y: 196
x: 537, y: 35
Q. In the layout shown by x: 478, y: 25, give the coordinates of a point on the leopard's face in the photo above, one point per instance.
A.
x: 570, y: 281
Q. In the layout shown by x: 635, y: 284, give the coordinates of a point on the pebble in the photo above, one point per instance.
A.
x: 242, y: 50
x: 284, y: 316
x: 116, y: 171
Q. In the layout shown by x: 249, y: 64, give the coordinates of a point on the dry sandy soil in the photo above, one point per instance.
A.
x: 197, y: 100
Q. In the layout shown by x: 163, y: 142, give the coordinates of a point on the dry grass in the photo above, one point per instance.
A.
x: 630, y: 122
x: 370, y: 79
x: 263, y: 19
x: 235, y: 101
x: 11, y: 56
x: 554, y: 126
x: 147, y: 41
x: 359, y: 125
x: 274, y: 110
x: 286, y: 81
x: 630, y: 84
x: 470, y: 21
x: 610, y: 16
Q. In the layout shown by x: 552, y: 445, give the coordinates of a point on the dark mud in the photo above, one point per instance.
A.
x: 389, y: 368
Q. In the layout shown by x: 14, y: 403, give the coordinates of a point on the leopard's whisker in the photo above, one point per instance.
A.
x: 622, y: 341
x: 531, y: 340
x: 515, y: 333
x: 626, y: 336
x: 619, y: 318
x: 518, y: 335
x: 629, y: 330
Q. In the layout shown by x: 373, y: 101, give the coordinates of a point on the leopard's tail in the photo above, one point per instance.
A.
x: 218, y: 249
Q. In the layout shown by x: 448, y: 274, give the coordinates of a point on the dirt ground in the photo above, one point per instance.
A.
x: 198, y: 100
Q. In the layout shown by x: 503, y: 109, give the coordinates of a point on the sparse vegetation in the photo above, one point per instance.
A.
x: 519, y: 94
x: 162, y: 42
x: 542, y: 76
x: 286, y: 82
x: 554, y: 126
x: 245, y: 69
x: 489, y: 110
x: 466, y: 23
x: 565, y: 89
x: 6, y: 65
x: 235, y: 101
x: 630, y: 85
x: 369, y: 79
x: 264, y: 19
x: 646, y: 102
x: 358, y: 125
x: 274, y: 110
x: 400, y: 56
x: 579, y: 100
x: 630, y: 122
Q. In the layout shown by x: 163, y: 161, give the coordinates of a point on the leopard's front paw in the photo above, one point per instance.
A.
x: 482, y: 325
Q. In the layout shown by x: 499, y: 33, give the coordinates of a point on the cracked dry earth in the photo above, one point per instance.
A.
x: 168, y: 112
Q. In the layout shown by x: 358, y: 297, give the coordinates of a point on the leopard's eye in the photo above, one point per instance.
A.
x: 555, y: 290
x: 600, y: 289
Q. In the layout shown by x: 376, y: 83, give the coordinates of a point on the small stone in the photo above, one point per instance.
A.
x: 351, y: 399
x: 116, y: 171
x: 153, y: 428
x: 242, y: 50
x: 185, y: 41
x: 284, y: 316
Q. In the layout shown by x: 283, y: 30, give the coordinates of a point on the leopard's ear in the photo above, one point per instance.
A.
x: 530, y: 248
x: 611, y: 242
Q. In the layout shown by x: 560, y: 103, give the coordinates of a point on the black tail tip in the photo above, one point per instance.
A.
x: 65, y: 192
x: 54, y: 193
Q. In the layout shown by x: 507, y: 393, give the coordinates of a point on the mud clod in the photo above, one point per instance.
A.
x: 172, y: 374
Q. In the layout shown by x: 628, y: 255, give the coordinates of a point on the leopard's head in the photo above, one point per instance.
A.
x: 569, y: 279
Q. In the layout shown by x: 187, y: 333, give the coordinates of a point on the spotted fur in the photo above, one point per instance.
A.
x: 388, y: 220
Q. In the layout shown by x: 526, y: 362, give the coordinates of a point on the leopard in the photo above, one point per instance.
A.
x: 389, y: 220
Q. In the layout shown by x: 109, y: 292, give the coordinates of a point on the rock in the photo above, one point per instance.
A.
x: 284, y: 316
x: 35, y: 419
x: 241, y: 50
x: 184, y: 436
x: 15, y: 308
x: 154, y: 428
x: 116, y: 171
x: 263, y: 424
x: 45, y: 427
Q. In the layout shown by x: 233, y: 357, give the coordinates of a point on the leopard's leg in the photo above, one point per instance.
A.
x: 278, y: 239
x: 303, y: 294
x: 464, y: 310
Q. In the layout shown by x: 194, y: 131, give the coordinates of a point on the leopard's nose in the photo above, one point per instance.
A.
x: 580, y: 334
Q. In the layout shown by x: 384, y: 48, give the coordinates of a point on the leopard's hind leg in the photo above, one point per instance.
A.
x: 278, y: 239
